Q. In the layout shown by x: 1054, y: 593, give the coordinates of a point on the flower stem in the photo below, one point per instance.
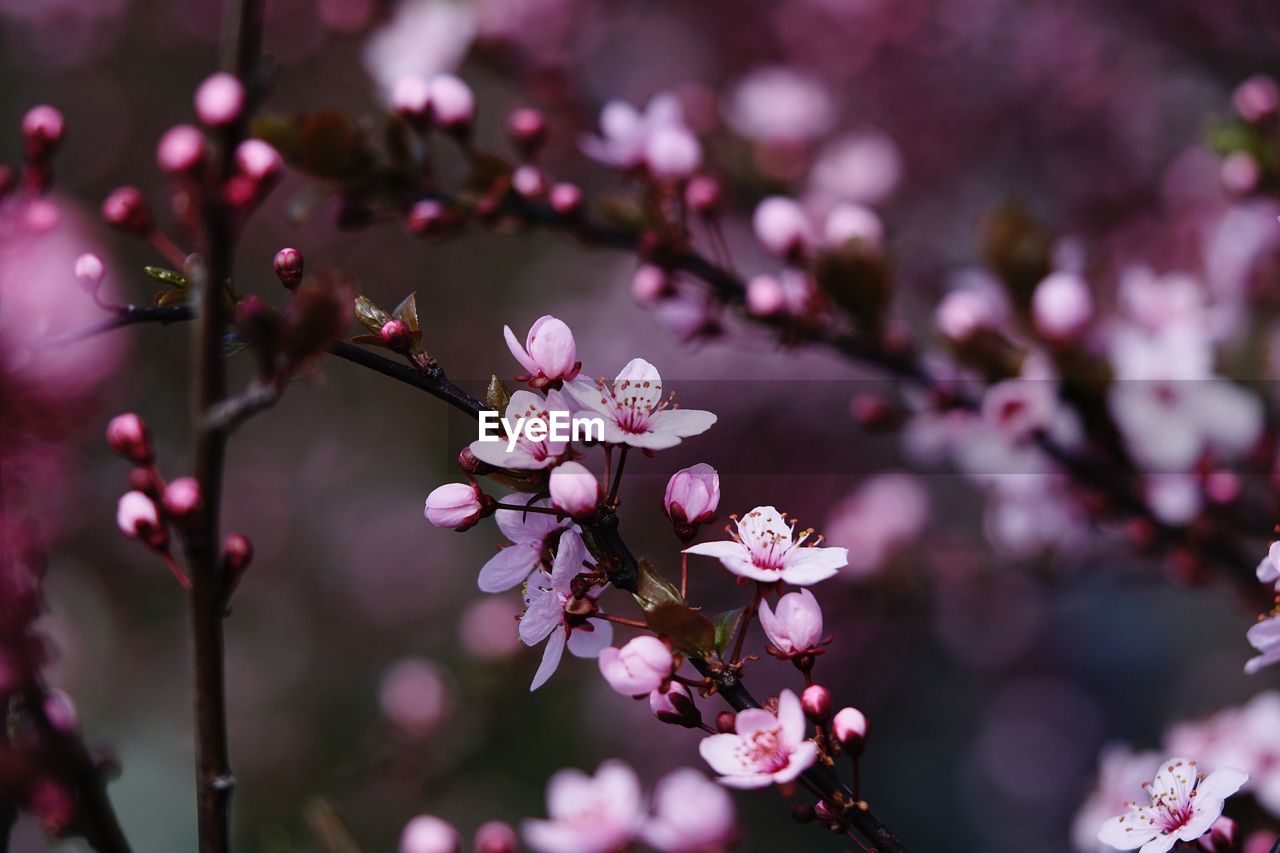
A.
x: 684, y: 573
x: 622, y: 620
x: 612, y: 500
x: 746, y: 623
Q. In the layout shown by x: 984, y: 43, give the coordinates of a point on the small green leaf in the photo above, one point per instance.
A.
x: 727, y: 625
x: 496, y: 395
x: 407, y: 311
x: 370, y: 315
x: 173, y: 278
x: 690, y: 631
x: 164, y: 298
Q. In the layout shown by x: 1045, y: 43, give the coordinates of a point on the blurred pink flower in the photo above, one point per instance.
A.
x: 1062, y: 306
x: 1265, y: 637
x: 422, y: 38
x: 780, y: 104
x: 1184, y: 804
x: 764, y: 749
x: 639, y: 667
x: 414, y: 695
x: 1121, y: 771
x: 488, y: 628
x: 588, y: 814
x: 863, y: 167
x: 765, y: 548
x: 658, y: 138
x: 429, y: 834
x: 691, y: 813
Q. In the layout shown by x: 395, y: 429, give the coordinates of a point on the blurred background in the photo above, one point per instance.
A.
x: 365, y: 668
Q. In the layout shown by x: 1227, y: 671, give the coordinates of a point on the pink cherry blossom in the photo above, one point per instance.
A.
x: 1269, y: 568
x: 782, y: 226
x: 1265, y: 637
x: 414, y: 695
x: 495, y: 837
x: 422, y: 38
x: 796, y: 626
x: 530, y: 533
x: 848, y: 222
x: 639, y: 667
x: 549, y: 353
x: 429, y: 834
x: 452, y: 102
x: 548, y: 599
x: 137, y: 516
x: 673, y: 152
x: 574, y: 489
x: 1061, y: 306
x: 765, y: 548
x: 692, y: 495
x: 453, y: 505
x: 588, y: 814
x: 764, y: 748
x: 219, y: 100
x: 635, y: 412
x: 658, y: 138
x: 527, y: 454
x: 690, y: 813
x: 778, y: 104
x: 1121, y: 771
x: 1184, y: 804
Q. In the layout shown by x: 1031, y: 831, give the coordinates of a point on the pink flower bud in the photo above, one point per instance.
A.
x: 126, y: 209
x: 853, y: 222
x: 258, y: 162
x: 566, y: 199
x: 765, y: 296
x: 395, y: 335
x: 219, y: 100
x: 237, y: 554
x: 692, y: 495
x: 726, y: 722
x: 650, y: 284
x: 1256, y: 98
x: 138, y: 518
x: 453, y: 106
x: 411, y: 98
x: 962, y: 313
x: 61, y: 712
x: 639, y: 667
x: 796, y: 626
x: 182, y: 498
x: 42, y: 131
x: 529, y: 180
x: 288, y: 266
x: 850, y: 728
x: 703, y: 195
x: 454, y: 505
x: 528, y: 130
x: 782, y: 226
x: 90, y: 272
x: 1240, y: 173
x: 128, y: 436
x: 672, y: 152
x: 414, y: 696
x: 181, y: 150
x: 429, y: 834
x: 574, y: 490
x: 549, y: 353
x: 816, y: 702
x: 674, y: 704
x: 1061, y: 306
x: 495, y: 837
x: 1221, y: 837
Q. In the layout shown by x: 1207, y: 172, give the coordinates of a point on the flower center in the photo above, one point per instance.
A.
x: 763, y: 751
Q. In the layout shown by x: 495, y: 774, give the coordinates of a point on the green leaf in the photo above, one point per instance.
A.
x: 690, y: 631
x: 173, y: 278
x: 727, y: 625
x: 370, y: 315
x: 164, y: 298
x: 496, y: 395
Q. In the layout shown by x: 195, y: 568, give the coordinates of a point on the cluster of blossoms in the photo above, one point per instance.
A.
x: 600, y: 813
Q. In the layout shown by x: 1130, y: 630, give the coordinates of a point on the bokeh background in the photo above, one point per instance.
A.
x: 364, y: 666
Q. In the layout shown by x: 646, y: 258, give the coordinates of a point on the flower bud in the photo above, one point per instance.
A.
x: 765, y: 296
x: 411, y: 98
x: 427, y: 217
x: 237, y: 553
x: 850, y: 728
x: 574, y: 490
x: 42, y: 132
x: 182, y: 498
x: 90, y: 271
x: 566, y: 199
x: 126, y: 209
x: 816, y: 702
x: 529, y: 181
x: 429, y: 834
x: 962, y: 313
x: 1221, y: 836
x: 138, y: 518
x: 1256, y: 98
x: 181, y: 150
x: 61, y: 712
x: 260, y: 163
x: 128, y: 436
x: 288, y: 265
x: 703, y: 195
x: 454, y: 505
x: 726, y: 722
x: 639, y: 667
x: 395, y: 335
x: 650, y: 284
x: 470, y: 464
x: 219, y: 100
x: 675, y: 705
x: 495, y: 837
x: 672, y: 152
x: 528, y: 130
x: 796, y: 626
x: 691, y: 498
x: 1061, y: 306
x: 853, y: 222
x: 782, y: 226
x: 1240, y: 173
x: 453, y: 106
x: 549, y: 353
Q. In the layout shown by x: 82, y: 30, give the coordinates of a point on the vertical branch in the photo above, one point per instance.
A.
x: 214, y: 779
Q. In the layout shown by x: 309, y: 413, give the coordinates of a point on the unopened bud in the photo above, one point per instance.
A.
x: 90, y: 271
x: 138, y: 518
x: 127, y: 435
x: 528, y: 129
x: 411, y: 97
x: 237, y: 554
x: 566, y: 199
x: 726, y: 721
x: 453, y: 106
x: 1221, y: 836
x: 529, y: 181
x: 495, y: 837
x: 650, y: 283
x: 675, y: 705
x: 126, y: 209
x: 42, y: 131
x: 816, y: 702
x: 182, y: 498
x: 181, y: 150
x: 288, y: 265
x: 850, y: 728
x: 395, y: 335
x: 470, y: 464
x: 219, y: 100
x: 702, y: 195
x: 428, y: 217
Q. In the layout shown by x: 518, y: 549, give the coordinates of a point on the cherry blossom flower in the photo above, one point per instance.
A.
x: 765, y: 548
x: 635, y: 412
x: 1265, y: 637
x: 639, y: 667
x: 778, y: 104
x: 1120, y: 772
x: 574, y: 489
x: 422, y: 38
x: 429, y: 834
x: 530, y: 533
x: 588, y: 814
x: 547, y: 616
x: 1184, y: 804
x: 455, y: 505
x: 549, y: 352
x: 764, y: 748
x: 887, y: 512
x: 527, y: 454
x: 658, y: 138
x: 692, y: 495
x: 1269, y: 568
x: 690, y: 813
x: 796, y: 626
